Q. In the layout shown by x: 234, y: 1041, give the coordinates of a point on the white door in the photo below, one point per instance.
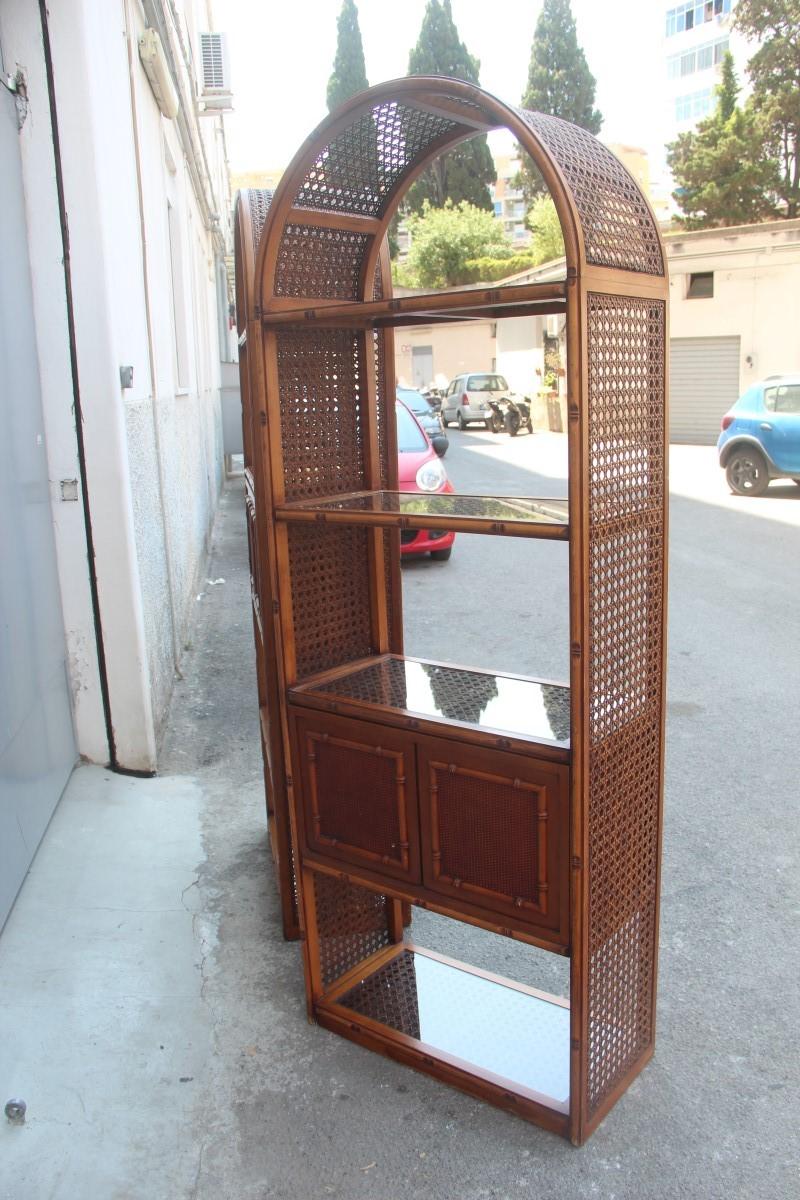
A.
x: 422, y: 366
x: 703, y: 384
x: 37, y: 746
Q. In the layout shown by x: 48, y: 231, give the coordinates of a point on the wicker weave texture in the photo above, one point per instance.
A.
x: 259, y: 200
x: 618, y: 227
x: 356, y: 172
x: 626, y: 589
x: 358, y: 796
x: 352, y: 923
x: 487, y: 831
x: 389, y: 996
x: 315, y: 262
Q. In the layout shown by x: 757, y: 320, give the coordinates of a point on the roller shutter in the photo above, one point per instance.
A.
x: 704, y: 383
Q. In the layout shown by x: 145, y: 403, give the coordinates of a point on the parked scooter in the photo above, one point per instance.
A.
x: 510, y: 413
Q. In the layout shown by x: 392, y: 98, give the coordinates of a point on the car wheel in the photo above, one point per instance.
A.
x: 529, y: 426
x: 746, y: 472
x: 442, y: 555
x: 445, y: 421
x: 462, y: 424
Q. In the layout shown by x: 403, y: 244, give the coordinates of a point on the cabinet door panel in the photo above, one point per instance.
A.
x: 494, y: 831
x: 359, y: 801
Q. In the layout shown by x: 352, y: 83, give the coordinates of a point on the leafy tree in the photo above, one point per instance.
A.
x: 543, y: 222
x: 724, y: 177
x: 774, y: 71
x: 559, y: 80
x: 445, y: 241
x: 349, y: 71
x: 466, y: 172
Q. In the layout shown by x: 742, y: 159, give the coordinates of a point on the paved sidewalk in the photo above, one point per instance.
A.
x: 153, y: 1018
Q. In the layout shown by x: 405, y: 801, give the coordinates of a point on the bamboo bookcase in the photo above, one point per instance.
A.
x: 388, y: 784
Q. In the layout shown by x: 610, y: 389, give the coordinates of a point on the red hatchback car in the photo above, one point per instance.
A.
x: 420, y: 470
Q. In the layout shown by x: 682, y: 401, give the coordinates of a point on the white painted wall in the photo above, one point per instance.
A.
x: 154, y: 451
x: 756, y: 272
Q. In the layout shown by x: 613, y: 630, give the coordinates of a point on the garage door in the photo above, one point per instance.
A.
x: 704, y: 383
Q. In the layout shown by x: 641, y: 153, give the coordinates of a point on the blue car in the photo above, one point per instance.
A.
x: 760, y: 437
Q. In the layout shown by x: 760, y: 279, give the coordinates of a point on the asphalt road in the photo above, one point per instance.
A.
x: 286, y: 1110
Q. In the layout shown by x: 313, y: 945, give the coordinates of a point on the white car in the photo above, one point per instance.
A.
x: 467, y: 399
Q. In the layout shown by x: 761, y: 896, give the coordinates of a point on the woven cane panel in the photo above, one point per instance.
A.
x: 356, y: 172
x: 618, y: 228
x: 260, y: 200
x: 352, y: 923
x: 626, y: 350
x: 322, y: 393
x: 358, y: 797
x: 487, y: 832
x: 330, y: 596
x: 389, y: 996
x: 320, y: 262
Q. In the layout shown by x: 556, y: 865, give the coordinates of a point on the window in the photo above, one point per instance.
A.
x: 410, y: 438
x: 708, y: 55
x: 694, y: 12
x: 783, y: 399
x: 694, y: 105
x: 701, y: 286
x: 498, y: 208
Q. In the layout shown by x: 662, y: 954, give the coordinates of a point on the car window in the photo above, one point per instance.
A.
x: 783, y: 399
x: 413, y: 400
x: 480, y: 383
x: 410, y: 438
x: 487, y: 383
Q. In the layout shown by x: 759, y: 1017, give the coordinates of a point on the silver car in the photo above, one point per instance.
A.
x: 467, y: 399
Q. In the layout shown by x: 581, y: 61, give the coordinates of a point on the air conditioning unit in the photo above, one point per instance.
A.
x: 215, y: 84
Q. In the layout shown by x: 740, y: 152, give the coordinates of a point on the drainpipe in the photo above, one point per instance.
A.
x: 76, y: 394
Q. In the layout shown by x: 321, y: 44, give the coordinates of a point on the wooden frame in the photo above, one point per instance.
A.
x: 316, y: 319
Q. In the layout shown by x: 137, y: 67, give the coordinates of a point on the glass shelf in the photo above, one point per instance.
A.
x: 514, y: 516
x: 483, y: 1024
x: 410, y: 691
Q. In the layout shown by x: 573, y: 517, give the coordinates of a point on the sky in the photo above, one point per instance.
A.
x: 282, y: 53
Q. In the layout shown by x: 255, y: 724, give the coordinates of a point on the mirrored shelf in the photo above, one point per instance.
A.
x: 509, y: 516
x: 415, y: 693
x: 481, y: 1024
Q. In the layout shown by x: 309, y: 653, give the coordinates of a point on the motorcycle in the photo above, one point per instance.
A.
x: 510, y: 413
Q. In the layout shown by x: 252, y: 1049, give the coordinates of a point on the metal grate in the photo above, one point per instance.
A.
x: 320, y: 262
x: 358, y: 795
x: 215, y: 61
x: 618, y: 227
x: 487, y: 831
x: 357, y: 171
x: 352, y: 923
x: 626, y: 347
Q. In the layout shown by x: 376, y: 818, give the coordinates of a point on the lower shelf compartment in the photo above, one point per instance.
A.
x: 475, y: 1030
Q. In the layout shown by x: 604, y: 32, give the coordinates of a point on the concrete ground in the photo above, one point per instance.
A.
x: 153, y: 1018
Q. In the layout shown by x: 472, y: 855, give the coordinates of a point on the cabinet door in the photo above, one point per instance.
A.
x: 494, y: 831
x: 359, y: 798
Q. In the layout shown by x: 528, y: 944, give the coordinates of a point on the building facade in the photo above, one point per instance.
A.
x: 697, y: 35
x: 116, y: 229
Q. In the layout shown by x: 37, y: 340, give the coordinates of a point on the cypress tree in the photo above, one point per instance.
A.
x: 349, y: 70
x: 464, y: 173
x: 559, y: 80
x: 723, y: 173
